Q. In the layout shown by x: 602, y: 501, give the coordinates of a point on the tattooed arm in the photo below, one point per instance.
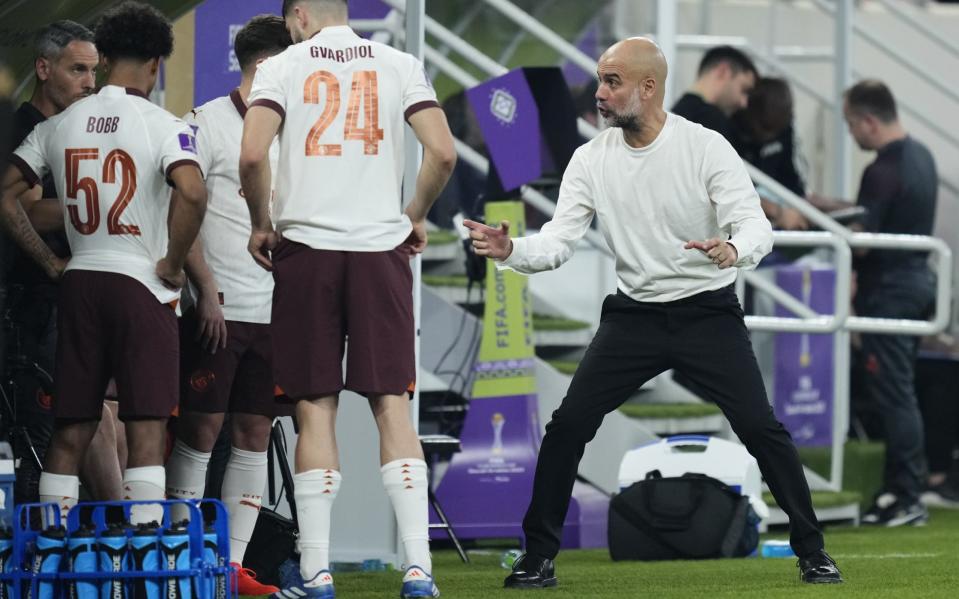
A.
x: 18, y: 227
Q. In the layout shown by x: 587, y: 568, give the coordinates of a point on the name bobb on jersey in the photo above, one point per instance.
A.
x: 351, y: 148
x: 110, y: 156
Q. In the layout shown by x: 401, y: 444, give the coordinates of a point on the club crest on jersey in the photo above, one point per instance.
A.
x: 187, y: 143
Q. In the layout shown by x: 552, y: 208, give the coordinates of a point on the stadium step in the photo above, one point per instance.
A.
x: 443, y: 245
x: 830, y: 506
x: 675, y: 418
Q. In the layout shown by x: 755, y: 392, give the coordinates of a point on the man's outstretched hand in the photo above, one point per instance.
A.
x: 487, y: 241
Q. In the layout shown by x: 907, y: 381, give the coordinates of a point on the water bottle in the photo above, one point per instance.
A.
x: 145, y: 557
x: 175, y: 550
x: 51, y: 544
x: 82, y: 552
x: 777, y: 548
x: 216, y: 585
x: 112, y: 547
x: 6, y: 562
x: 509, y: 557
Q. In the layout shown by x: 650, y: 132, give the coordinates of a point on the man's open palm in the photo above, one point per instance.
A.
x: 487, y: 241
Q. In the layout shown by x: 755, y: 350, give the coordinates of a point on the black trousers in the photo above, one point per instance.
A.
x: 889, y: 366
x: 705, y: 338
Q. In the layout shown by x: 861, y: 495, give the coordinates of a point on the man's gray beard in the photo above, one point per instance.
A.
x: 625, y: 122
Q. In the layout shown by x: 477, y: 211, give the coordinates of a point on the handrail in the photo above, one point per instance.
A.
x: 895, y: 54
x: 809, y: 324
x: 544, y: 33
x: 943, y: 269
x: 935, y: 36
x: 808, y: 211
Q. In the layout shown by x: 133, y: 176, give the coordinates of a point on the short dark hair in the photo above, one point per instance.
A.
x: 736, y: 59
x: 871, y: 96
x: 263, y: 35
x: 289, y: 4
x: 52, y: 39
x: 134, y: 30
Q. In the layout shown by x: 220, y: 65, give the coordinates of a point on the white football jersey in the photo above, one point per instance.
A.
x: 110, y: 156
x: 343, y: 100
x: 246, y: 289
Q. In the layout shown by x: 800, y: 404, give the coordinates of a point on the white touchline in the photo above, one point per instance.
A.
x: 888, y: 556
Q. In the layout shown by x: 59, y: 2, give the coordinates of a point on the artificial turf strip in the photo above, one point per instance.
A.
x: 900, y: 563
x: 669, y: 410
x: 442, y: 237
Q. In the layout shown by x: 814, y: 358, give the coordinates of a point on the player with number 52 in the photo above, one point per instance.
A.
x: 113, y: 156
x: 340, y: 258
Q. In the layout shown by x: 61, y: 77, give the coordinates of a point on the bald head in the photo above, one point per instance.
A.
x: 637, y: 58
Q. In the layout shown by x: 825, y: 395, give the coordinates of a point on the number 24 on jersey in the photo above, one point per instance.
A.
x: 364, y: 97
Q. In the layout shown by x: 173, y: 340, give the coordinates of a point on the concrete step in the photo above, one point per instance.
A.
x: 830, y: 506
x: 675, y: 418
x: 443, y: 246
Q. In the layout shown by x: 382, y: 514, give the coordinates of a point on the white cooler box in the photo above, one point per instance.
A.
x: 675, y: 456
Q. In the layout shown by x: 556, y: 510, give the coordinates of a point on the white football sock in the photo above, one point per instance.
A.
x: 62, y: 489
x: 141, y: 484
x: 242, y: 494
x: 185, y: 477
x: 406, y: 483
x: 315, y: 491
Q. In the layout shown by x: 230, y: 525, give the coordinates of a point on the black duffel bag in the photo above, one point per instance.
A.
x: 690, y: 517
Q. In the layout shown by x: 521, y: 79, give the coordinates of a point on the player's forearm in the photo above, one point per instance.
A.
x: 185, y: 220
x: 46, y: 215
x: 17, y: 225
x: 198, y: 270
x: 434, y: 173
x: 255, y: 178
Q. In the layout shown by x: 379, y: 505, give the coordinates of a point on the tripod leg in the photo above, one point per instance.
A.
x: 276, y: 435
x: 449, y: 528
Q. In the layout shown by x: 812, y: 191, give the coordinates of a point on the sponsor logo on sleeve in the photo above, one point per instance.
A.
x: 187, y: 142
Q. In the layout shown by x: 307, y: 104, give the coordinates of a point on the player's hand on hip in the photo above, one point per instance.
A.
x: 416, y: 242
x: 172, y: 276
x: 55, y: 268
x: 722, y: 253
x: 211, y: 325
x: 262, y: 242
x: 488, y: 241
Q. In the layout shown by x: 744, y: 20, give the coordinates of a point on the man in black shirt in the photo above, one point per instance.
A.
x: 899, y: 192
x: 65, y: 70
x: 725, y: 79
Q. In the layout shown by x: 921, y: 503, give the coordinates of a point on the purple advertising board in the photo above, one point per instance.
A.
x: 803, y: 378
x: 216, y: 70
x: 509, y: 119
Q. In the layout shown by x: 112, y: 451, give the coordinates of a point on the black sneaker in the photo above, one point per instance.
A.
x: 819, y: 568
x: 889, y: 511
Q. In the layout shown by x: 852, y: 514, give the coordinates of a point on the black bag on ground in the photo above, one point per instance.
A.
x: 274, y: 536
x: 273, y: 542
x: 690, y: 517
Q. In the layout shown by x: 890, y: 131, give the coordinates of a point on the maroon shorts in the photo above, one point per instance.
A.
x: 238, y: 378
x: 110, y: 325
x: 323, y: 297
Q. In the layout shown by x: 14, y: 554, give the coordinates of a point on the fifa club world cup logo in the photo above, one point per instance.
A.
x: 498, y: 421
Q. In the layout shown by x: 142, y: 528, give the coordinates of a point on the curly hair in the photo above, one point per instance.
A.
x: 264, y: 35
x: 134, y: 30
